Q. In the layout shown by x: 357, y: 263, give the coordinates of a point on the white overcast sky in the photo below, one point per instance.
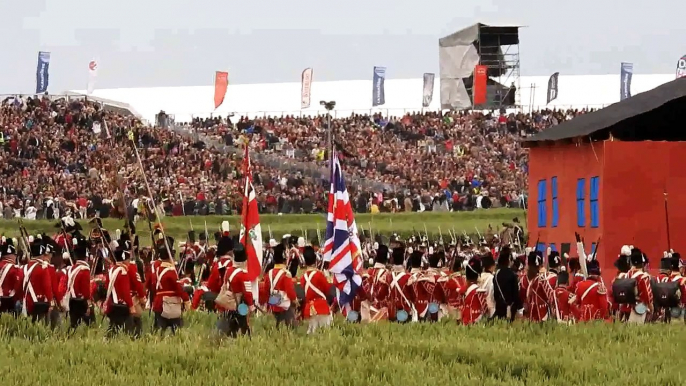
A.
x: 147, y: 43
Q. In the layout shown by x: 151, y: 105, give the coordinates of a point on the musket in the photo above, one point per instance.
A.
x: 477, y: 232
x: 426, y: 233
x: 319, y: 237
x: 371, y: 233
x: 440, y: 232
x: 269, y: 227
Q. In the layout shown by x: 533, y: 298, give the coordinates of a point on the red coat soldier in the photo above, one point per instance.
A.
x: 237, y: 286
x: 455, y: 286
x: 566, y: 300
x: 380, y: 279
x: 591, y: 295
x: 474, y: 299
x: 119, y: 304
x: 540, y: 296
x: 401, y: 294
x: 676, y: 276
x: 35, y: 289
x: 9, y: 277
x: 423, y: 287
x: 221, y: 263
x: 643, y: 309
x: 279, y: 289
x: 316, y: 309
x: 78, y: 290
x: 170, y: 297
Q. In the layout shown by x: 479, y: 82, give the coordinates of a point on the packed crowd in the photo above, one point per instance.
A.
x: 426, y: 155
x: 58, y: 154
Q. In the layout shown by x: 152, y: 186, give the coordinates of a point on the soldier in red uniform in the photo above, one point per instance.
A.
x: 591, y: 295
x: 316, y: 309
x: 665, y: 269
x: 136, y: 282
x: 621, y: 311
x: 381, y: 279
x: 34, y: 286
x: 221, y: 263
x: 554, y: 263
x: 643, y: 309
x: 423, y: 287
x: 454, y: 285
x: 280, y: 290
x: 540, y: 296
x: 170, y: 298
x: 575, y: 274
x: 474, y: 302
x: 400, y: 292
x: 57, y: 275
x: 238, y: 288
x: 9, y: 276
x: 78, y: 290
x: 566, y: 300
x: 676, y: 276
x: 119, y: 304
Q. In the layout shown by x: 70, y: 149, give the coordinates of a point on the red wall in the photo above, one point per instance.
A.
x: 633, y: 204
x: 568, y: 162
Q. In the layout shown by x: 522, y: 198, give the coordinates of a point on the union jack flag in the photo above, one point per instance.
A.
x: 342, y: 245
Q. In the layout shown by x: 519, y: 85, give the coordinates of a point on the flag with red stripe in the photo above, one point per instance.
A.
x: 342, y: 245
x: 251, y: 231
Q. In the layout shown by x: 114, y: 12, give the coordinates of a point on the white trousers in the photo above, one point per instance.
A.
x: 317, y: 321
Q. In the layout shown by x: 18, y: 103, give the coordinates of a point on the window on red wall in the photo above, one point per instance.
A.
x: 581, y: 202
x: 556, y: 210
x: 542, y: 209
x: 595, y: 212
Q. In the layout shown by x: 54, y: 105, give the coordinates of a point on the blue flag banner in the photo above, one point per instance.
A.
x: 625, y: 86
x: 42, y: 72
x: 378, y: 93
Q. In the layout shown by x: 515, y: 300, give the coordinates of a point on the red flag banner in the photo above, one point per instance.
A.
x: 251, y: 231
x: 480, y: 83
x: 221, y: 83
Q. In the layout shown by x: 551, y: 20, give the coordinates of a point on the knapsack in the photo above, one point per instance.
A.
x: 624, y: 291
x: 665, y: 294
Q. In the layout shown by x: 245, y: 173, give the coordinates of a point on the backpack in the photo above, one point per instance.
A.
x: 665, y: 294
x: 624, y: 291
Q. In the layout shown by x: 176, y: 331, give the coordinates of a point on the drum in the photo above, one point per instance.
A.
x: 676, y: 312
x: 401, y: 316
x: 243, y: 309
x: 640, y: 308
x: 433, y: 308
x: 274, y: 299
x: 353, y: 316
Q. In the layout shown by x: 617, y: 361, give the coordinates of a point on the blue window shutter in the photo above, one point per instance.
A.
x: 553, y: 186
x: 555, y: 206
x: 592, y: 248
x: 580, y: 202
x: 542, y: 207
x: 553, y: 247
x: 594, y: 205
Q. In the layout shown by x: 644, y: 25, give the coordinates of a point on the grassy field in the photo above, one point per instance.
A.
x: 382, y: 354
x: 401, y: 223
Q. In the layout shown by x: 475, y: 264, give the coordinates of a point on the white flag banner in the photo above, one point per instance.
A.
x: 428, y: 89
x: 97, y: 128
x: 92, y: 75
x: 305, y: 94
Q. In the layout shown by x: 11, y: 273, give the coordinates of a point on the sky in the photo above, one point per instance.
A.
x: 152, y: 43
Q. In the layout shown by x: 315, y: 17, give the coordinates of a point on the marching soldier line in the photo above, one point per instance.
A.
x: 67, y: 277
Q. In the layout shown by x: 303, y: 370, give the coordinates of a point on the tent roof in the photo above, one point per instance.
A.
x: 612, y: 116
x: 470, y: 34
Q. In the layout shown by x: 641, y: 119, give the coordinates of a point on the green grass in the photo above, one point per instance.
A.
x: 381, y: 354
x: 401, y: 223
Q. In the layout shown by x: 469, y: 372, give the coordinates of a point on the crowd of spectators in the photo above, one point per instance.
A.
x: 61, y: 153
